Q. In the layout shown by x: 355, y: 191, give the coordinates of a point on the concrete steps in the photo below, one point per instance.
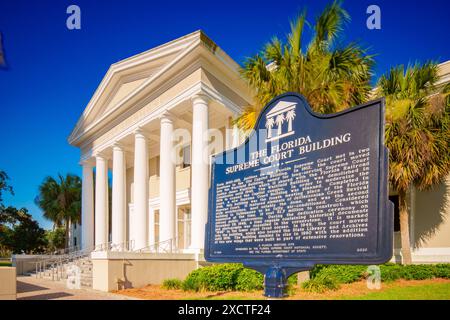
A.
x: 62, y: 272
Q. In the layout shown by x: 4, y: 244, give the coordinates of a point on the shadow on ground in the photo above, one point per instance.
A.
x: 23, y: 287
x: 47, y: 296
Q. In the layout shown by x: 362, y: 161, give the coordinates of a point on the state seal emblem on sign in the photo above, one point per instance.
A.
x: 279, y: 121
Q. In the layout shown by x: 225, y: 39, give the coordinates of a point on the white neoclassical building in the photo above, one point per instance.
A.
x: 145, y: 194
x: 134, y: 195
x: 126, y: 134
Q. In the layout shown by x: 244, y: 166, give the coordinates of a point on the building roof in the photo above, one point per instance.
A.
x: 131, y: 80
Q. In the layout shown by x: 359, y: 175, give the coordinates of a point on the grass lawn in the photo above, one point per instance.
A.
x: 435, y: 289
x: 5, y: 264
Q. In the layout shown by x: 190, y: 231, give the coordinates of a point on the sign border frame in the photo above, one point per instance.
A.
x: 385, y: 217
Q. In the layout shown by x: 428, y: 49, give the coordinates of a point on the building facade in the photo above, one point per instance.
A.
x: 145, y: 194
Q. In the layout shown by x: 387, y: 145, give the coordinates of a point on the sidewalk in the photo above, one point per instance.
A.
x: 30, y: 288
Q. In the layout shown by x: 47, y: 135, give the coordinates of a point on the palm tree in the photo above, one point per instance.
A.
x: 279, y: 120
x: 417, y: 134
x: 60, y: 199
x: 4, y: 186
x: 290, y: 115
x: 269, y: 125
x: 330, y: 76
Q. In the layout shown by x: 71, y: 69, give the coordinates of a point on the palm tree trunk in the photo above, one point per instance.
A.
x: 404, y: 227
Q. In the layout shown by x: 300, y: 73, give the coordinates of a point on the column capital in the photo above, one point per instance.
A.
x: 200, y: 97
x: 166, y: 117
x: 100, y: 155
x: 86, y: 163
x: 117, y: 146
x: 140, y: 133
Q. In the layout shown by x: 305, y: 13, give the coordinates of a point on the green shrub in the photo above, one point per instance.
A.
x: 292, y: 280
x: 417, y: 272
x: 442, y: 270
x: 389, y: 272
x: 193, y: 281
x: 172, y: 284
x: 321, y: 284
x: 220, y: 277
x: 342, y: 273
x: 226, y: 277
x: 249, y: 280
x: 317, y: 270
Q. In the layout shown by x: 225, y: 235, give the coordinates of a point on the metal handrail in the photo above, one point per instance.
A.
x: 63, y: 251
x: 57, y: 261
x: 53, y: 262
x: 110, y: 246
x: 68, y: 250
x: 166, y: 246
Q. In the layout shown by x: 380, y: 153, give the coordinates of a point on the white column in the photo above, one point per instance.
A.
x: 236, y: 139
x: 228, y: 134
x: 167, y: 181
x: 140, y: 212
x: 151, y: 227
x: 101, y: 200
x: 200, y: 170
x: 118, y: 195
x: 87, y: 207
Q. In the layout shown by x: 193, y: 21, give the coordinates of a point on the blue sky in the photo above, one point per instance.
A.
x: 54, y: 71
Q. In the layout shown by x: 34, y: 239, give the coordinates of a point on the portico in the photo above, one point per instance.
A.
x: 146, y: 138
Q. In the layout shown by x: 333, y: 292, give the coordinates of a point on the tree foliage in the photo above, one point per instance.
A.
x: 330, y: 75
x: 417, y: 133
x: 19, y: 232
x: 417, y: 126
x: 60, y: 199
x: 56, y: 239
x: 4, y: 186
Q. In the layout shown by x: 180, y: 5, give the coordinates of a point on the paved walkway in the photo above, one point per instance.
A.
x: 30, y: 288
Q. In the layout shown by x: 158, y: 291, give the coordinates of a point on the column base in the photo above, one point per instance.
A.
x: 198, y: 252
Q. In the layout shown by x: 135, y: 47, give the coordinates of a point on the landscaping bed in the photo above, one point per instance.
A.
x: 434, y: 289
x: 233, y: 281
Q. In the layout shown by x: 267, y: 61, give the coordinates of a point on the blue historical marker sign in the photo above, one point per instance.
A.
x: 303, y: 189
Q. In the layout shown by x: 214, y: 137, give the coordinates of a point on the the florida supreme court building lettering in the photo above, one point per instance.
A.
x: 303, y: 189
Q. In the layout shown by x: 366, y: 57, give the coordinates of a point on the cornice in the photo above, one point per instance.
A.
x: 197, y: 88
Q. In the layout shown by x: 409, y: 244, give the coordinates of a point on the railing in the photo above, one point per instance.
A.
x: 63, y: 251
x: 56, y: 263
x: 166, y: 246
x: 110, y: 246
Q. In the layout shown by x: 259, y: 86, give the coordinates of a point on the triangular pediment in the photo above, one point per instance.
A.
x: 119, y: 90
x: 125, y: 78
x: 281, y: 107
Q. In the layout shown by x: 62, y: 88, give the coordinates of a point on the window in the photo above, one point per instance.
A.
x: 394, y: 200
x: 74, y: 241
x: 157, y: 165
x: 75, y: 226
x: 186, y: 156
